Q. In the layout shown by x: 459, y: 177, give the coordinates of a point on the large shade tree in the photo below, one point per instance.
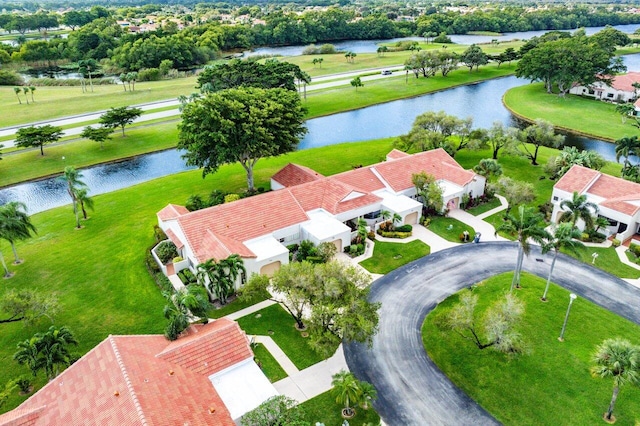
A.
x: 620, y: 360
x: 119, y: 117
x: 37, y: 137
x: 528, y: 227
x: 240, y: 125
x: 541, y: 133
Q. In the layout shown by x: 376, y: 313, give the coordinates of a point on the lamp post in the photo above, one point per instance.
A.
x: 572, y: 297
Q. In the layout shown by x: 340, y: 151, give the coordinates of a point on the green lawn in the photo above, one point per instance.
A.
x: 389, y: 256
x: 275, y: 322
x: 550, y: 383
x: 608, y: 261
x: 485, y: 207
x: 450, y: 229
x: 234, y: 306
x: 98, y: 273
x: 496, y: 220
x: 575, y: 113
x: 268, y: 363
x: 324, y: 409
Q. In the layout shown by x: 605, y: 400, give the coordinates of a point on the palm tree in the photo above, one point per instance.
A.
x: 72, y: 177
x: 362, y: 230
x: 192, y: 299
x: 564, y: 236
x: 17, y: 90
x: 218, y: 279
x: 26, y: 90
x: 15, y: 224
x: 234, y: 265
x: 619, y: 359
x: 578, y: 208
x: 53, y: 349
x: 32, y: 89
x: 28, y: 354
x: 88, y: 66
x: 346, y: 389
x: 396, y: 219
x: 84, y: 200
x: 7, y: 273
x: 178, y: 318
x: 527, y: 227
x: 626, y: 147
x: 369, y: 393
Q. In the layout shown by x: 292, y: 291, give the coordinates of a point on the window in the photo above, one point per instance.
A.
x: 281, y: 239
x: 609, y: 95
x: 555, y: 198
x: 591, y: 92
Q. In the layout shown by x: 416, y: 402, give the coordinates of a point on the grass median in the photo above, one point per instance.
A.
x: 550, y: 382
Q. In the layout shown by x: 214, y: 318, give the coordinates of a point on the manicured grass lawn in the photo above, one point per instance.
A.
x: 496, y: 220
x: 549, y: 383
x: 389, y: 256
x: 575, y: 113
x: 275, y: 322
x: 268, y: 363
x: 234, y: 306
x: 482, y: 208
x: 332, y: 100
x: 53, y: 102
x: 450, y: 229
x: 324, y: 409
x: 98, y: 273
x: 608, y: 261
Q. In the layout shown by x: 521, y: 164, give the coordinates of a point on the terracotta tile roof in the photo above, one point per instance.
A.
x: 625, y: 82
x: 220, y: 247
x: 174, y: 238
x: 172, y: 211
x: 617, y: 194
x: 577, y: 179
x: 395, y: 154
x: 122, y: 382
x: 437, y: 162
x: 239, y: 221
x: 363, y: 179
x: 332, y: 195
x: 209, y: 349
x: 294, y: 174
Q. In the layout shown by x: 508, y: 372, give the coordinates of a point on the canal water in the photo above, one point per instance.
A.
x: 482, y: 102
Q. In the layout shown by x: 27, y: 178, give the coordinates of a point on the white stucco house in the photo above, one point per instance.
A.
x: 618, y: 200
x: 620, y: 90
x: 305, y: 205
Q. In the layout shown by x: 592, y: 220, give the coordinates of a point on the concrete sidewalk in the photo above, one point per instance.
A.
x: 485, y: 228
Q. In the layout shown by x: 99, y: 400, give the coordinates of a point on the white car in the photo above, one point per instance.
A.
x: 386, y: 72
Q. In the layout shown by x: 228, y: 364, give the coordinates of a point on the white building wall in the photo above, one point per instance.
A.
x: 275, y: 185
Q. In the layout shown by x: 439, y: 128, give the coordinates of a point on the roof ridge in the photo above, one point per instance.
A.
x: 125, y: 375
x: 179, y: 344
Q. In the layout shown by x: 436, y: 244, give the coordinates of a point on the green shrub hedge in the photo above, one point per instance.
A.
x: 394, y: 234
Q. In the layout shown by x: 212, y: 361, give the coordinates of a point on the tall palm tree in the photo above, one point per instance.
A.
x: 17, y: 90
x: 528, y: 227
x: 216, y: 276
x: 234, y: 265
x: 26, y: 90
x: 72, y: 177
x: 626, y: 147
x: 346, y: 389
x: 15, y: 224
x: 578, y: 208
x: 620, y: 360
x: 564, y: 236
x: 84, y: 200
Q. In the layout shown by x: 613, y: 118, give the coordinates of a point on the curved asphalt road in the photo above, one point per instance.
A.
x: 411, y: 389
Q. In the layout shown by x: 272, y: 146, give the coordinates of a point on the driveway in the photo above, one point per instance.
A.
x: 411, y: 389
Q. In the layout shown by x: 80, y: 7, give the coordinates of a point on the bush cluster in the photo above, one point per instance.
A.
x: 187, y: 277
x: 325, y: 49
x: 635, y: 249
x: 166, y: 251
x: 354, y: 250
x: 394, y: 234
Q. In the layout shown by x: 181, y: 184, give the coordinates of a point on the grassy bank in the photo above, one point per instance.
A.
x: 577, y: 114
x: 98, y: 273
x: 549, y: 383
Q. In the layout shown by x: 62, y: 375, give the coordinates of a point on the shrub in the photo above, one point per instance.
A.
x: 403, y: 228
x: 166, y: 251
x: 10, y: 78
x: 163, y: 282
x: 315, y: 259
x: 305, y: 250
x: 371, y: 235
x: 327, y: 48
x: 546, y: 209
x: 635, y: 249
x: 386, y: 226
x: 442, y: 38
x: 149, y: 74
x: 292, y: 248
x: 584, y: 236
x: 189, y: 276
x: 177, y: 259
x: 325, y: 251
x: 394, y: 234
x: 231, y: 197
x: 615, y: 242
x: 158, y: 234
x: 425, y: 221
x: 24, y: 384
x: 151, y: 263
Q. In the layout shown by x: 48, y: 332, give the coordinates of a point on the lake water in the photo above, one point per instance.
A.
x: 482, y: 102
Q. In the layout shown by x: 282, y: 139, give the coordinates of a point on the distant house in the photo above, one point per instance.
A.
x: 207, y: 377
x: 620, y: 90
x: 305, y: 205
x: 618, y: 200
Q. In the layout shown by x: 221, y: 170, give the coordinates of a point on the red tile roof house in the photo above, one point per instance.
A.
x: 620, y: 90
x: 617, y: 199
x: 206, y: 377
x: 304, y: 205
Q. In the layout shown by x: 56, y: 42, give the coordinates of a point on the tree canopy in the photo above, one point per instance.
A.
x: 119, y: 117
x: 38, y: 136
x: 240, y: 125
